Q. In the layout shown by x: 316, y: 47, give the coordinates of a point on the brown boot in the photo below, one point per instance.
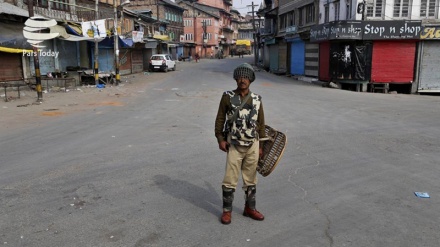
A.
x: 228, y: 198
x: 249, y: 206
x: 226, y: 218
x: 253, y: 213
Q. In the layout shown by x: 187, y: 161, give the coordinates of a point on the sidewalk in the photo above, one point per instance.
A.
x: 24, y: 111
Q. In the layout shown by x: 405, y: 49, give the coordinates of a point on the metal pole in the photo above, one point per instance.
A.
x: 36, y: 59
x: 364, y: 9
x: 116, y: 48
x: 255, y: 36
x: 195, y: 30
x: 96, y: 65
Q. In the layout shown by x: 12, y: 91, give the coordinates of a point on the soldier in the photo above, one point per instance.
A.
x: 238, y: 127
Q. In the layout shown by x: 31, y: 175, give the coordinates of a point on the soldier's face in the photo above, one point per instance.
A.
x: 243, y: 83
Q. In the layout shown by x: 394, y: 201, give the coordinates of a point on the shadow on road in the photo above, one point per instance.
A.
x: 204, y: 198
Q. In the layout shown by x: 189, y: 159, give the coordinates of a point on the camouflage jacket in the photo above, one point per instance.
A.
x: 243, y: 131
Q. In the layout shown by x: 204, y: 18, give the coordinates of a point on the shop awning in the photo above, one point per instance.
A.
x: 243, y: 42
x: 12, y: 39
x: 109, y: 42
x: 63, y: 35
x: 161, y: 37
x: 150, y: 43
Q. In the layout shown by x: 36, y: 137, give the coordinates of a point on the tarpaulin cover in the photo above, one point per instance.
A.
x: 11, y: 36
x: 243, y: 42
x: 109, y: 42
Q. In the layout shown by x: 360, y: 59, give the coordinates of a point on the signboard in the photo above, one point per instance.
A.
x: 95, y: 29
x: 138, y: 36
x: 346, y: 30
x: 319, y: 32
x: 291, y: 29
x: 370, y: 30
x: 391, y: 30
x: 430, y: 32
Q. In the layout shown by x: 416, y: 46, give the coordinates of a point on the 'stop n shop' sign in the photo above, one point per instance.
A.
x: 383, y: 30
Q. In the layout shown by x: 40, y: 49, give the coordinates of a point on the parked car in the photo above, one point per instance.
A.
x: 162, y: 62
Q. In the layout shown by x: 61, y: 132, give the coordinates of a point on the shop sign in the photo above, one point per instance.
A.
x: 346, y: 30
x: 319, y: 32
x: 291, y: 29
x: 391, y: 30
x: 430, y: 32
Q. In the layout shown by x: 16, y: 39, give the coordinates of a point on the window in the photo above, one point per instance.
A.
x: 291, y: 19
x: 40, y: 3
x: 207, y: 22
x: 60, y: 5
x: 427, y: 8
x: 401, y: 8
x: 307, y: 14
x: 375, y: 9
x: 188, y: 36
x: 283, y: 22
x: 336, y: 6
x: 188, y: 23
x: 326, y: 13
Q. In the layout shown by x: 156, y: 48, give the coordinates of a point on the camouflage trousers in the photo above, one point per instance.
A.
x: 241, y: 159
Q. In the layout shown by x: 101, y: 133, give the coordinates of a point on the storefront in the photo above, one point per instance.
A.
x: 14, y: 51
x: 297, y: 55
x: 360, y: 52
x: 282, y: 58
x: 394, y: 50
x: 429, y: 60
x: 342, y: 53
x: 311, y: 67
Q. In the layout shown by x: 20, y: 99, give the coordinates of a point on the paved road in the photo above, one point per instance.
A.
x: 148, y: 173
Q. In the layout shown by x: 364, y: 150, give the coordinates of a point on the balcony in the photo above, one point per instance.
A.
x: 227, y: 28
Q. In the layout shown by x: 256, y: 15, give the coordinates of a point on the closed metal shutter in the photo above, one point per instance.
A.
x: 125, y: 64
x: 297, y: 55
x: 282, y: 58
x: 312, y: 59
x: 429, y: 79
x: 68, y: 53
x: 273, y: 57
x: 324, y: 61
x: 136, y: 61
x: 393, y: 62
x: 106, y: 60
x: 10, y: 66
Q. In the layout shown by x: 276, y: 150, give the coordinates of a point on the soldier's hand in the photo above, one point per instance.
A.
x: 261, y: 152
x: 224, y: 146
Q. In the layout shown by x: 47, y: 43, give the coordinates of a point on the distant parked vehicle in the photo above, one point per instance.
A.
x: 162, y: 62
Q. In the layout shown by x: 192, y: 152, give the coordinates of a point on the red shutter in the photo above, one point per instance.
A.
x: 393, y: 62
x: 324, y: 61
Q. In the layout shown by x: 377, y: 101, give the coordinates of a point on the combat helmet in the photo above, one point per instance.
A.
x: 244, y: 70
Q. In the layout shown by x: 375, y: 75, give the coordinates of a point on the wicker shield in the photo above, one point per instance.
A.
x: 273, y: 148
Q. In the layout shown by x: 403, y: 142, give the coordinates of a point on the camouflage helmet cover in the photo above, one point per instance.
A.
x: 244, y: 70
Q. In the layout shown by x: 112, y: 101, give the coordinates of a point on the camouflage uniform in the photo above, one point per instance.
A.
x: 243, y: 135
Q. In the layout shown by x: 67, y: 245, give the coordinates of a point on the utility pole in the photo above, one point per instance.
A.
x: 96, y: 65
x: 36, y: 59
x: 195, y: 28
x: 255, y: 35
x: 116, y: 45
x: 364, y: 10
x: 205, y: 38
